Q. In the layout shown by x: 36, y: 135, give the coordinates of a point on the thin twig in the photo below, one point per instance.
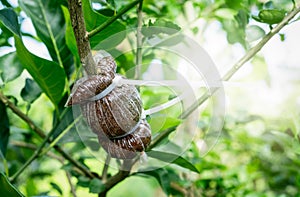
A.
x: 35, y: 155
x: 23, y: 116
x: 50, y: 154
x: 112, y: 19
x: 121, y: 175
x: 41, y: 133
x: 63, y: 133
x: 34, y: 147
x: 73, y: 189
x: 78, y: 165
x: 179, y: 188
x: 139, y: 41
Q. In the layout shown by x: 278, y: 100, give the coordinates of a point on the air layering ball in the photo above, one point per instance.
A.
x: 112, y: 111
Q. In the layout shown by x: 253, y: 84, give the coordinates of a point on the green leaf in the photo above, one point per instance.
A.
x: 112, y: 3
x: 49, y: 22
x: 31, y: 91
x: 235, y: 34
x: 161, y: 122
x: 6, y: 3
x: 83, y: 181
x: 162, y: 176
x: 226, y: 13
x: 172, y: 158
x: 57, y: 188
x: 166, y: 23
x: 160, y: 26
x: 70, y: 37
x: 10, y: 67
x: 66, y: 120
x: 7, y: 189
x: 271, y: 16
x: 10, y: 20
x: 254, y: 32
x: 96, y: 186
x: 49, y: 75
x: 5, y: 34
x: 234, y: 4
x: 171, y: 40
x: 93, y: 20
x: 236, y: 28
x: 31, y: 187
x: 4, y: 128
x: 282, y: 37
x: 242, y: 18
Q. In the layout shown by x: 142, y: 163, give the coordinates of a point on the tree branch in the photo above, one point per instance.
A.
x: 35, y: 155
x: 50, y: 154
x: 81, y: 35
x: 120, y: 176
x: 41, y: 133
x: 34, y: 147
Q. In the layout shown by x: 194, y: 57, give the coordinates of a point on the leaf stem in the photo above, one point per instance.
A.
x: 34, y: 147
x: 33, y: 157
x: 112, y: 19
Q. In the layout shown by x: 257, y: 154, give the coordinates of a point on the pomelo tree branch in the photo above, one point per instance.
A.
x: 81, y: 35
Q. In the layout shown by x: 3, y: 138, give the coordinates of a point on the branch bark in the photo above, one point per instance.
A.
x: 123, y: 173
x: 81, y: 35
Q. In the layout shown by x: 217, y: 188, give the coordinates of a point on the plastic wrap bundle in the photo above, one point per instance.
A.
x: 113, y: 111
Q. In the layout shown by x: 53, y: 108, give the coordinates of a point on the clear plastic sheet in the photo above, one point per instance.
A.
x: 126, y: 147
x: 115, y: 114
